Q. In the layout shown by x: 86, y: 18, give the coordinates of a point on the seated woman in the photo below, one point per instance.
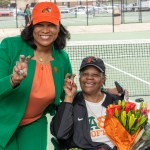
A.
x: 79, y: 121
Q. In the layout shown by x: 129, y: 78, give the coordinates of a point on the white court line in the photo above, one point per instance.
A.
x: 108, y: 42
x: 72, y: 21
x: 146, y: 82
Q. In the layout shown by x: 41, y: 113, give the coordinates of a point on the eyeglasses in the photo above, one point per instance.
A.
x: 86, y: 75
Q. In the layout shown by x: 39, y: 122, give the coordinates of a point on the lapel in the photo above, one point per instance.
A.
x: 57, y: 80
x: 57, y: 75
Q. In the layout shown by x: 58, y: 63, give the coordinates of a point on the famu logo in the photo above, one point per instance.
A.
x: 46, y: 10
x: 96, y: 126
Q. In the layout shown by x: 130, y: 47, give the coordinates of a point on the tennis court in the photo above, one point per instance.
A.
x: 126, y: 55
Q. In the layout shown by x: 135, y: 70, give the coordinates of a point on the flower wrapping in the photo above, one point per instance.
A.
x: 118, y: 134
x: 123, y: 123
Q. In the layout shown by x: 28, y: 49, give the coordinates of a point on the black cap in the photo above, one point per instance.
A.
x: 92, y: 61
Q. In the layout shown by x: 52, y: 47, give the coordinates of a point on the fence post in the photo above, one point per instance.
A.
x: 113, y: 15
x: 16, y: 15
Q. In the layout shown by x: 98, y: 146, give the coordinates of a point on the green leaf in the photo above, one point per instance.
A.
x: 116, y: 113
x: 141, y: 105
x: 123, y: 104
x: 131, y: 121
x: 143, y: 119
x: 123, y: 118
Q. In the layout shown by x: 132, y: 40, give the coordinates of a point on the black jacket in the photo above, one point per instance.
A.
x: 69, y: 131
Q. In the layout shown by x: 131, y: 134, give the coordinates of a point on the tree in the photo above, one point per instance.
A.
x: 4, y: 3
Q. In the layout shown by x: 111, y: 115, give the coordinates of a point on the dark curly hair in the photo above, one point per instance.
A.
x: 59, y: 43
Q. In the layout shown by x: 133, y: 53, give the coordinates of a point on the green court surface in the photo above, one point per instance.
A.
x: 107, y: 36
x: 111, y: 36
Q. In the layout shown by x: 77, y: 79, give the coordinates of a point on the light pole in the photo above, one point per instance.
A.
x: 78, y: 2
x: 87, y: 14
x: 113, y: 15
x: 16, y: 15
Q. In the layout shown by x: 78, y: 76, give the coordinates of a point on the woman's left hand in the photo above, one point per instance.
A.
x: 114, y: 91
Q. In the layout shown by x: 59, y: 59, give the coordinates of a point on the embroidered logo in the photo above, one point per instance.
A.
x: 55, y: 69
x: 46, y: 10
x: 91, y: 59
x: 80, y: 119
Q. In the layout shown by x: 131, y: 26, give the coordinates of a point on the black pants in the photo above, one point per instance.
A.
x: 26, y: 20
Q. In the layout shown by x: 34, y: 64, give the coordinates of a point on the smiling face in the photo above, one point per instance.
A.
x: 45, y: 34
x: 91, y: 80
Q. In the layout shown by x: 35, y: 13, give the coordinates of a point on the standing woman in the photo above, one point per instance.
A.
x: 27, y: 13
x: 32, y: 71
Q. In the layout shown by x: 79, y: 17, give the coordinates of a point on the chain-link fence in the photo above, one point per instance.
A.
x: 80, y: 12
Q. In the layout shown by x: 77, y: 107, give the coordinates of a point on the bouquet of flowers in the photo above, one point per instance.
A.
x: 123, y: 123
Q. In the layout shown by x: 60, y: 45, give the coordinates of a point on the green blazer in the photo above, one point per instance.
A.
x: 13, y: 101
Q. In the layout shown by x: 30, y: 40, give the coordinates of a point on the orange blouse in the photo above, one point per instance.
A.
x: 42, y: 93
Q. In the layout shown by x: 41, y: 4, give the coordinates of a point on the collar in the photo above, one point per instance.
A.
x: 80, y: 99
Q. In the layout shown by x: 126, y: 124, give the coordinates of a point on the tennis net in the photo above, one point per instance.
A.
x: 127, y: 61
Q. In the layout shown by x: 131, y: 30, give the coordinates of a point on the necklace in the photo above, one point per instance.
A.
x: 97, y: 108
x: 95, y: 114
x: 42, y: 59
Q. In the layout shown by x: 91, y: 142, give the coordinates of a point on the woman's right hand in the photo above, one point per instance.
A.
x: 70, y: 88
x: 19, y: 70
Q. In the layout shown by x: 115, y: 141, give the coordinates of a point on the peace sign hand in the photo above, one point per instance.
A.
x: 19, y: 70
